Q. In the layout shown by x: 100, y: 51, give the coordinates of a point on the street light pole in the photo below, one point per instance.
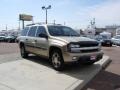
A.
x: 46, y: 16
x: 23, y: 24
x: 46, y: 8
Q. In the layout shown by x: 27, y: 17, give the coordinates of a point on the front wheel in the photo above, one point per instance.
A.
x: 57, y: 60
x: 24, y: 54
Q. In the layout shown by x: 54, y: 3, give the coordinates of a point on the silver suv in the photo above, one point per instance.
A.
x: 60, y: 44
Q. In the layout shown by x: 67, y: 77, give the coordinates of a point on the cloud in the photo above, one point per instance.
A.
x: 107, y: 13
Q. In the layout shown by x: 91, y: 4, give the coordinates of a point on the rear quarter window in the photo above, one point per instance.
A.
x: 32, y: 31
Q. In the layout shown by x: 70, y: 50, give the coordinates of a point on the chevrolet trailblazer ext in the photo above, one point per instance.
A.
x: 60, y: 44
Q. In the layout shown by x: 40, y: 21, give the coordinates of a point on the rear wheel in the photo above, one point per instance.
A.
x: 57, y: 60
x: 23, y: 52
x: 9, y: 41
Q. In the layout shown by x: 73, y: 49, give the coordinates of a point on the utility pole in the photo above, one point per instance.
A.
x: 19, y: 24
x: 64, y: 23
x: 23, y: 24
x: 6, y: 27
x: 54, y: 22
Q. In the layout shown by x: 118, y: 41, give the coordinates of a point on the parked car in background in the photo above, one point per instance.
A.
x: 104, y: 40
x: 2, y: 37
x: 116, y: 40
x: 10, y: 38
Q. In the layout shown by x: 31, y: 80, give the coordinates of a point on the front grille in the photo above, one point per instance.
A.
x: 88, y: 51
x: 87, y: 43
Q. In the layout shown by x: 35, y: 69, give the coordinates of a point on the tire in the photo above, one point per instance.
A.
x: 24, y: 54
x: 57, y: 60
x: 9, y: 41
x: 111, y: 45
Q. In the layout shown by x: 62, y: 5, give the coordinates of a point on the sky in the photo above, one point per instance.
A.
x: 75, y: 13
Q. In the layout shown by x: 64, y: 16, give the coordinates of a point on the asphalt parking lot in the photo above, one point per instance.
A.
x: 108, y: 79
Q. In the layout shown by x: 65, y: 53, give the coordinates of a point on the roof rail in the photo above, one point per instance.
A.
x: 41, y: 23
x: 35, y: 24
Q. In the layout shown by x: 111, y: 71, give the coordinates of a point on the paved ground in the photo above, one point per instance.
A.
x: 9, y: 52
x: 8, y: 48
x: 108, y: 79
x: 35, y: 73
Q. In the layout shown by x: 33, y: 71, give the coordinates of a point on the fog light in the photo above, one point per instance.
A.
x: 74, y: 58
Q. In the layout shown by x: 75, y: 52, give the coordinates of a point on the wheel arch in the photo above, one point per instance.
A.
x: 54, y: 48
x: 21, y: 44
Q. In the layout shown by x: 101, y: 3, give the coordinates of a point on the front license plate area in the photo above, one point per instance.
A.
x: 93, y: 57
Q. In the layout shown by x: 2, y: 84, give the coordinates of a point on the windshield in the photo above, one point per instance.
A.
x: 62, y: 31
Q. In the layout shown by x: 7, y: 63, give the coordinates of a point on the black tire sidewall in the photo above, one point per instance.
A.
x: 23, y: 52
x: 61, y: 60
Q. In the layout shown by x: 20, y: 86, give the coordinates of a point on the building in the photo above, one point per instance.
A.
x: 99, y: 30
x: 14, y: 32
x: 118, y: 31
x: 112, y: 29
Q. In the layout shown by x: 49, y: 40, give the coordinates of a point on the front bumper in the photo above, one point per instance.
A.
x: 106, y: 43
x: 82, y: 57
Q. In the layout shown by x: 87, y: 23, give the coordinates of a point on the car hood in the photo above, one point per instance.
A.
x: 2, y: 36
x: 74, y: 39
x: 10, y: 37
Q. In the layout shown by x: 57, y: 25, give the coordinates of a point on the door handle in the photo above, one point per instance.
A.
x: 35, y: 40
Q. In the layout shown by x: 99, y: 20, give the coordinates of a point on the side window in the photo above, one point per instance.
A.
x: 32, y: 31
x: 40, y: 30
x: 24, y: 31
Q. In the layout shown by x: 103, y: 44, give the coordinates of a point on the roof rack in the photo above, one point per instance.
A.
x: 41, y: 23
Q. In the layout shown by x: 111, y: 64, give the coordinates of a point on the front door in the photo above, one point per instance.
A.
x: 41, y: 42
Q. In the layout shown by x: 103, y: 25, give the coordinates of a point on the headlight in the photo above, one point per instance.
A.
x: 99, y: 44
x: 74, y: 46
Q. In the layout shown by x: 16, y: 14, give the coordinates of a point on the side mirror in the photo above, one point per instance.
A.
x: 42, y: 35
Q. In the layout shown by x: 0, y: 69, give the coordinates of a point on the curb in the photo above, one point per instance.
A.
x: 78, y: 85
